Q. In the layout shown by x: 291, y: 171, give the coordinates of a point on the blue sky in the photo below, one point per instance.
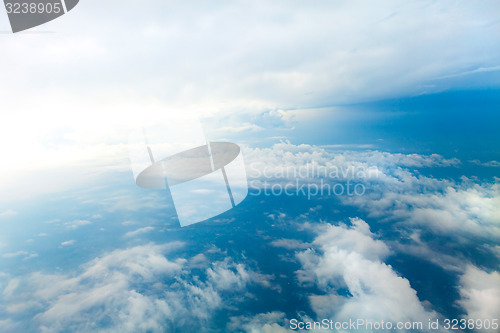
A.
x: 408, y: 91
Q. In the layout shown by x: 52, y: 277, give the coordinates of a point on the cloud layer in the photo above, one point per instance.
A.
x: 129, y: 290
x: 351, y: 258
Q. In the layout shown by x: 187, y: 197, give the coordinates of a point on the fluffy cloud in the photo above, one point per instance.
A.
x: 319, y: 171
x: 351, y: 258
x: 458, y: 210
x: 480, y: 293
x: 462, y: 211
x: 290, y: 54
x: 285, y: 160
x: 130, y: 290
x: 271, y: 322
x: 395, y: 192
x: 225, y: 279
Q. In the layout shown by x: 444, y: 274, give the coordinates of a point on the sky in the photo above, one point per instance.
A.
x: 406, y: 90
x: 88, y: 83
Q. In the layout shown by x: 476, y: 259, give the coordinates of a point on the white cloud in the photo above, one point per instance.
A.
x: 8, y: 325
x: 139, y: 232
x: 470, y: 209
x: 357, y: 238
x: 67, y: 301
x: 290, y: 244
x: 245, y: 127
x: 273, y: 61
x: 226, y: 275
x: 127, y: 201
x: 127, y: 223
x: 480, y: 293
x: 31, y: 256
x: 225, y: 279
x: 76, y: 224
x: 394, y: 191
x: 284, y: 159
x: 350, y: 257
x: 11, y: 287
x: 129, y: 290
x: 270, y: 322
x: 8, y: 213
x: 493, y: 163
x: 198, y: 261
x: 464, y: 211
x: 14, y: 254
x: 68, y: 242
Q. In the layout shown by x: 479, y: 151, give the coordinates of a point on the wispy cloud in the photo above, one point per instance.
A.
x: 471, y: 72
x: 26, y: 255
x: 492, y: 164
x: 8, y: 213
x: 139, y: 232
x: 142, y: 288
x: 14, y: 254
x: 76, y: 224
